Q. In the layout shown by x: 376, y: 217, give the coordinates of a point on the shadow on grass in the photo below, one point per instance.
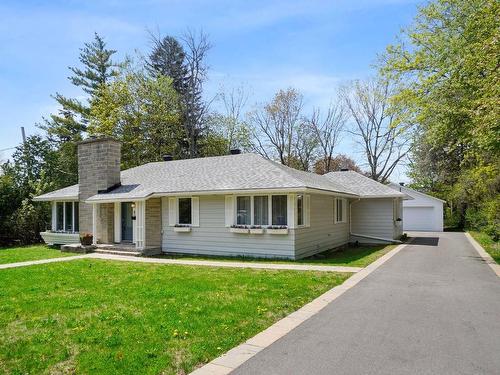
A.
x: 354, y: 256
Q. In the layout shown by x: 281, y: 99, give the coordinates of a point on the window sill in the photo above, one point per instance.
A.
x: 239, y: 230
x: 182, y: 229
x: 257, y: 231
x: 277, y: 231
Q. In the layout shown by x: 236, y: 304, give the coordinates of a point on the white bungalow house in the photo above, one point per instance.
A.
x: 235, y: 205
x: 422, y: 212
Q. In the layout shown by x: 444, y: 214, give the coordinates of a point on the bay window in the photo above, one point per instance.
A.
x: 260, y: 210
x: 67, y: 214
x: 279, y: 210
x: 243, y: 214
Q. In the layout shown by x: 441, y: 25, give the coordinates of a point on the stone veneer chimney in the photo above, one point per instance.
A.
x: 98, y: 170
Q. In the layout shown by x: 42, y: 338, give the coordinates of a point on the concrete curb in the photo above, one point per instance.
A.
x: 483, y: 254
x: 237, y: 356
x: 42, y: 261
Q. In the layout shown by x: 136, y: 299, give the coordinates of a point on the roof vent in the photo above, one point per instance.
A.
x: 402, y: 184
x: 168, y: 158
x: 235, y: 151
x: 344, y: 169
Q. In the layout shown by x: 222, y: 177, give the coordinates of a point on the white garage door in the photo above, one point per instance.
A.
x: 419, y: 218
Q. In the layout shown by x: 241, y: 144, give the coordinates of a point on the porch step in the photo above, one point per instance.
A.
x: 118, y: 252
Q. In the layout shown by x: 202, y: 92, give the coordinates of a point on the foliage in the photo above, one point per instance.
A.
x: 69, y: 125
x: 489, y: 243
x: 59, y: 319
x: 447, y: 67
x: 336, y: 164
x: 27, y: 176
x: 380, y: 129
x: 142, y: 112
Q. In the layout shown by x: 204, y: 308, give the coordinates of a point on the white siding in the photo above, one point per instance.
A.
x: 373, y: 217
x: 422, y: 212
x: 212, y: 237
x: 322, y: 234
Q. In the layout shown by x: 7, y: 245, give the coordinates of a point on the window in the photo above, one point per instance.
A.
x: 77, y: 215
x: 260, y: 210
x: 340, y: 208
x: 300, y: 210
x: 279, y: 210
x: 243, y: 214
x: 60, y: 216
x: 68, y: 216
x: 184, y: 210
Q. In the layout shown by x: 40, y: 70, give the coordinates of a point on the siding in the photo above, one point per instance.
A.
x: 373, y: 217
x: 212, y: 237
x: 153, y: 222
x: 322, y: 234
x: 105, y: 225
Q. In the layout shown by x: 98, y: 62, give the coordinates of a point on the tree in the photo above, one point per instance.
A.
x: 336, y: 164
x: 168, y: 58
x: 328, y: 131
x: 379, y: 128
x: 227, y: 129
x: 446, y: 64
x: 184, y: 62
x: 142, y: 112
x: 275, y: 126
x: 195, y: 108
x: 68, y: 127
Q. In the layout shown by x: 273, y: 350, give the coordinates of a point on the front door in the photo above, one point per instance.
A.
x: 127, y: 213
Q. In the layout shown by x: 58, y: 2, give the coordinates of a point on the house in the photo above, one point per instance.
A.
x: 236, y: 205
x: 421, y: 213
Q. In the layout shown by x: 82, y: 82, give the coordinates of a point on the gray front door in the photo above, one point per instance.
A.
x: 127, y: 222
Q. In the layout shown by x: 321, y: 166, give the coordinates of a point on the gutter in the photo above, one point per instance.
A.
x: 364, y: 235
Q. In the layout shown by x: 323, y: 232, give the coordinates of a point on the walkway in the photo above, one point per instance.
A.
x: 434, y: 308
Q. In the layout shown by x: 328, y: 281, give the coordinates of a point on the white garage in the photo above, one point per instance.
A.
x: 421, y: 212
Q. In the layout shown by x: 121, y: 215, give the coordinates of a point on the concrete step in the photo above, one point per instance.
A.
x: 118, y: 252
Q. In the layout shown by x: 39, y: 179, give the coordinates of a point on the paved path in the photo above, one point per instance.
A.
x: 434, y: 308
x: 43, y: 261
x: 203, y: 263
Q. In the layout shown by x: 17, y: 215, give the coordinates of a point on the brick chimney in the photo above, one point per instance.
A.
x: 98, y: 171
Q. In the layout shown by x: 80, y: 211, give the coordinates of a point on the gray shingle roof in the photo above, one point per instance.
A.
x: 221, y: 173
x: 70, y: 192
x: 363, y: 186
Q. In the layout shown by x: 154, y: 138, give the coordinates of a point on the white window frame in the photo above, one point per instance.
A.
x: 55, y: 212
x: 303, y: 210
x: 344, y: 210
x: 252, y: 205
x: 178, y: 221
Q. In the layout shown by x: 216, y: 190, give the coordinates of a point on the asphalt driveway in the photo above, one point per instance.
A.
x: 434, y: 308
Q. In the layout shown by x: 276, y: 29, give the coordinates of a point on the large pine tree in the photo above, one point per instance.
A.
x: 68, y: 126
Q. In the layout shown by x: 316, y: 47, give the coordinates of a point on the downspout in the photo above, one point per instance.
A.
x: 364, y: 235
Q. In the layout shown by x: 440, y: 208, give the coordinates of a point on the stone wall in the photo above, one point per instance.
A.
x: 153, y: 222
x: 98, y: 170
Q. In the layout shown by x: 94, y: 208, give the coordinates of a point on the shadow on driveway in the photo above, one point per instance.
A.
x: 425, y: 241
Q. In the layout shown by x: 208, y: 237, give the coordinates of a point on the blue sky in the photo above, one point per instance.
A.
x: 265, y: 45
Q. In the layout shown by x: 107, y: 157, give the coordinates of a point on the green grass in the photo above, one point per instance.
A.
x: 360, y: 256
x: 491, y: 247
x: 25, y: 253
x: 107, y: 317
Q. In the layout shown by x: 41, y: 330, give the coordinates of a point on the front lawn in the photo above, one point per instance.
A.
x: 491, y: 247
x: 360, y: 256
x: 95, y: 316
x: 25, y: 253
